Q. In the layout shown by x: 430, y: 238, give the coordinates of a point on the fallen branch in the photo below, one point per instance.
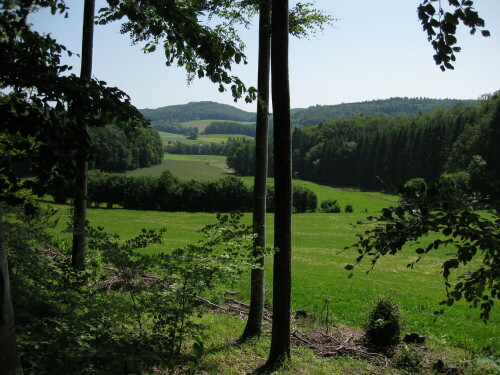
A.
x: 211, y: 303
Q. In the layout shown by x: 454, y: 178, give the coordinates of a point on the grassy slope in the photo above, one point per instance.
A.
x: 209, y: 138
x: 319, y: 276
x: 201, y: 167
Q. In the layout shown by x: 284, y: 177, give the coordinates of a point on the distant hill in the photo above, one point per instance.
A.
x: 197, y: 111
x: 390, y: 107
x: 168, y: 118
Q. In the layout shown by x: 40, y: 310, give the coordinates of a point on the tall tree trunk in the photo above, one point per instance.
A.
x: 282, y: 279
x: 80, y: 203
x: 9, y: 357
x: 254, y: 322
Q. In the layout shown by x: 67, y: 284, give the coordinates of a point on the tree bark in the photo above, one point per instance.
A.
x: 282, y: 279
x: 254, y: 322
x: 9, y: 357
x: 80, y: 202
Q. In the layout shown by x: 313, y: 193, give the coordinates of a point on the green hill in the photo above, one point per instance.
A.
x: 197, y: 111
x: 390, y: 107
x: 169, y: 118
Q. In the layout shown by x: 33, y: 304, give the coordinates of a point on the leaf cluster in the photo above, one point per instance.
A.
x: 441, y: 27
x: 305, y: 21
x: 176, y: 26
x: 43, y: 105
x: 474, y: 236
x: 127, y: 310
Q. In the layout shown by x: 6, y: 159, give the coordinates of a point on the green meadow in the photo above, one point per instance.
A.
x: 319, y: 257
x: 319, y: 277
x: 200, y: 167
x: 202, y: 138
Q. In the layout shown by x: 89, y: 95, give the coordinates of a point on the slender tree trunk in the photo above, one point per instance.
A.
x: 80, y: 203
x: 9, y: 357
x: 282, y: 279
x: 254, y: 322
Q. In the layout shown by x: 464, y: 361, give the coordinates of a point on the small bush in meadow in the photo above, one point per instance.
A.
x: 384, y: 324
x: 330, y: 206
x: 348, y: 208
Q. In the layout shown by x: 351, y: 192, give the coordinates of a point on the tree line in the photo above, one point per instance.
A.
x: 168, y: 193
x: 172, y: 127
x: 380, y: 152
x: 230, y: 127
x: 115, y: 151
x: 212, y: 148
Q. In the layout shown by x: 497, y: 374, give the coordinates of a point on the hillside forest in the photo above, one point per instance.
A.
x: 382, y: 152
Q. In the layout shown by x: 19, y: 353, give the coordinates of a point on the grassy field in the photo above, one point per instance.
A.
x: 201, y: 167
x: 202, y: 138
x: 318, y: 268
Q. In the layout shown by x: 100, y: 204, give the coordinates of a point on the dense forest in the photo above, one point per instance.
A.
x: 390, y: 107
x: 381, y: 152
x: 212, y: 148
x: 229, y: 127
x: 114, y: 151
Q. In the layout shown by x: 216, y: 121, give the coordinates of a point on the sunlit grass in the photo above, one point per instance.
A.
x: 202, y: 138
x: 319, y: 258
x: 200, y: 167
x: 202, y: 124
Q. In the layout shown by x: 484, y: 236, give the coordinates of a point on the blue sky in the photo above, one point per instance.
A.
x: 375, y: 50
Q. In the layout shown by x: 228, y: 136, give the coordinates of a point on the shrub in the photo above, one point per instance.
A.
x: 410, y: 360
x: 348, y: 208
x: 330, y: 205
x: 128, y: 310
x: 384, y: 324
x: 416, y: 188
x: 304, y: 199
x: 450, y: 189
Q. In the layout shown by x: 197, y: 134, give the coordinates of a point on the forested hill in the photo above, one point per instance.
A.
x: 197, y: 111
x: 300, y: 116
x: 458, y: 145
x: 390, y: 107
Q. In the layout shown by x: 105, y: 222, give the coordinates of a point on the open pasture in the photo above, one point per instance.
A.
x: 319, y: 277
x: 200, y: 167
x: 202, y: 138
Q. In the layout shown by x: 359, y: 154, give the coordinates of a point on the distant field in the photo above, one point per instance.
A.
x: 201, y: 167
x: 362, y: 201
x: 202, y: 124
x: 207, y: 167
x: 318, y: 268
x: 209, y: 138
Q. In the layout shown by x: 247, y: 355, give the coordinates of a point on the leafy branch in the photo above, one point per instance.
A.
x: 441, y: 27
x: 472, y: 234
